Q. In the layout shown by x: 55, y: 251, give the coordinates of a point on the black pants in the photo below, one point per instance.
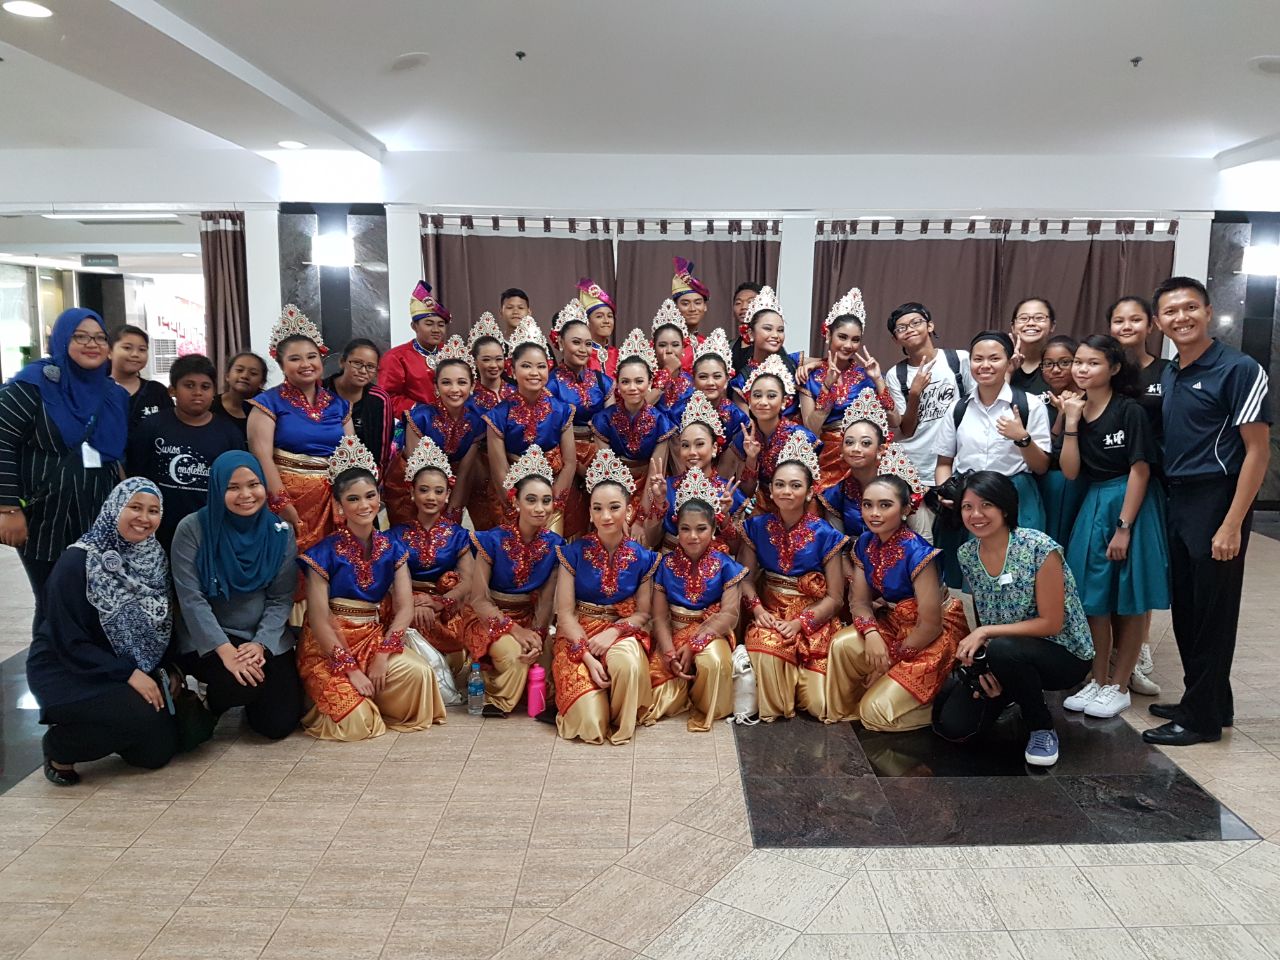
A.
x: 1205, y: 595
x: 118, y: 721
x: 37, y: 574
x: 1025, y: 667
x: 272, y: 708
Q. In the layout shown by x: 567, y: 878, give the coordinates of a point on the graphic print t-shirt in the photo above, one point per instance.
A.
x: 176, y: 458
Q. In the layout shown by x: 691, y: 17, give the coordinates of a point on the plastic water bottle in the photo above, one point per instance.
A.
x: 475, y: 690
x: 537, y: 695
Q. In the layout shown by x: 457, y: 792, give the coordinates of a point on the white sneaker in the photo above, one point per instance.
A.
x: 1143, y: 684
x: 1082, y: 697
x: 1109, y: 702
x: 1145, y: 664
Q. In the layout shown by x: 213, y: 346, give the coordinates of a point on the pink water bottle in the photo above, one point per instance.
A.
x: 537, y: 693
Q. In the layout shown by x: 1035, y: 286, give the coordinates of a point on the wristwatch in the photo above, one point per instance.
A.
x: 1024, y: 442
x: 1122, y: 525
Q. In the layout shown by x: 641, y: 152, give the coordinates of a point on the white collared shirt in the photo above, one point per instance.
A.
x: 977, y: 445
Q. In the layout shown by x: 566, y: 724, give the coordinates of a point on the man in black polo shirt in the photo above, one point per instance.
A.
x: 1216, y: 448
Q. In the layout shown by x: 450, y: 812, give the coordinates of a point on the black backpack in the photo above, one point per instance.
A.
x: 953, y: 361
x: 1019, y: 403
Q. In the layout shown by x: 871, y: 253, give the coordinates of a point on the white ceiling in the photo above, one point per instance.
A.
x: 600, y: 77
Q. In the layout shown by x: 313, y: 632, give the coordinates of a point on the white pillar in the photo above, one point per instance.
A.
x: 795, y: 279
x: 404, y: 264
x: 262, y: 255
x: 1190, y: 255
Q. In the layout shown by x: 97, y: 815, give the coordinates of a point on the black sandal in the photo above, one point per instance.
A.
x: 491, y: 711
x: 60, y: 778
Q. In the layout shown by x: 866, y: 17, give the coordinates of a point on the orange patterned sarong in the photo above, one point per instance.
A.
x: 686, y: 628
x: 359, y: 627
x: 306, y: 481
x: 447, y: 635
x: 396, y: 495
x: 474, y: 631
x: 572, y: 679
x: 831, y: 466
x: 576, y: 520
x: 485, y: 505
x: 922, y: 676
x: 787, y: 598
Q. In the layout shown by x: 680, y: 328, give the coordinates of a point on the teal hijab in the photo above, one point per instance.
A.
x: 238, y: 555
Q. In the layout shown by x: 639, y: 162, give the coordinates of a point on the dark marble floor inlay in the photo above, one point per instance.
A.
x: 809, y: 784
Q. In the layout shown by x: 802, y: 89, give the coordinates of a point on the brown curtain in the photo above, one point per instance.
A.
x: 736, y: 252
x: 469, y: 270
x: 226, y: 289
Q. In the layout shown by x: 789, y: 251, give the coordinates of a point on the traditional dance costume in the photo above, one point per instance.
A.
x: 523, y: 424
x: 433, y: 559
x: 588, y: 391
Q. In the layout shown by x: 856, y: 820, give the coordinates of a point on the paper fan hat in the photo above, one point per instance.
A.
x: 668, y: 315
x: 348, y: 454
x: 571, y: 312
x: 428, y: 455
x: 773, y: 366
x: 532, y: 463
x: 851, y: 304
x: 685, y: 282
x: 637, y: 346
x: 715, y: 344
x: 452, y: 349
x: 605, y: 466
x: 294, y: 323
x: 591, y: 295
x: 696, y: 485
x: 485, y: 328
x: 766, y: 299
x: 527, y: 331
x: 799, y: 450
x: 422, y: 304
x: 865, y: 406
x: 698, y: 409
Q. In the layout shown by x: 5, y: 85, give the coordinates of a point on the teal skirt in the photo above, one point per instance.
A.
x: 1030, y: 516
x: 1062, y: 499
x: 1139, y: 583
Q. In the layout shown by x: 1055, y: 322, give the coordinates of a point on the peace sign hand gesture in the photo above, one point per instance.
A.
x: 750, y: 442
x: 833, y: 374
x: 1016, y: 360
x: 921, y: 380
x: 870, y: 364
x: 657, y: 482
x: 726, y: 496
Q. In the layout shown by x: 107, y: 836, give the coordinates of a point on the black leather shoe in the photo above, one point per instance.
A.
x: 1169, y: 711
x: 1176, y: 735
x: 60, y: 778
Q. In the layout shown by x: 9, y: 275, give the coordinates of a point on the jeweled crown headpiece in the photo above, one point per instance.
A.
x: 571, y: 312
x: 799, y: 450
x: 427, y: 454
x: 696, y: 485
x: 423, y: 304
x: 606, y: 467
x: 532, y: 463
x: 527, y: 331
x: 698, y: 409
x: 452, y: 349
x: 294, y: 323
x: 684, y: 281
x: 851, y: 303
x: 895, y: 461
x: 766, y: 299
x: 348, y: 454
x: 865, y: 406
x: 637, y: 346
x: 772, y: 366
x: 486, y: 326
x: 716, y: 344
x: 668, y: 315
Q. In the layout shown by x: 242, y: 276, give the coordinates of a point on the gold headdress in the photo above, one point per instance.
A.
x: 850, y: 303
x: 532, y: 463
x: 428, y: 455
x: 348, y: 454
x: 716, y: 344
x: 637, y: 346
x: 294, y: 323
x: 606, y: 467
x: 696, y: 485
x: 895, y: 461
x: 486, y: 326
x: 766, y: 299
x: 668, y: 315
x: 799, y: 450
x: 772, y: 366
x: 527, y: 331
x: 452, y: 349
x: 865, y: 406
x: 571, y: 312
x: 698, y: 409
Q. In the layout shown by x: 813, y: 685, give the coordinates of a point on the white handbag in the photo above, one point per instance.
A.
x: 439, y: 665
x: 745, y: 701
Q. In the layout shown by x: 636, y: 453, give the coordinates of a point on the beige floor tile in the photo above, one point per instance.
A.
x: 649, y: 815
x: 244, y: 876
x: 666, y: 778
x: 454, y: 878
x: 239, y: 780
x: 1142, y: 854
x: 53, y: 874
x: 566, y: 823
x: 671, y: 741
x: 198, y: 825
x: 685, y: 857
x: 867, y: 946
x: 311, y: 934
x: 496, y: 781
x: 1267, y: 934
x: 916, y: 858
x: 286, y: 824
x: 550, y: 939
x: 624, y: 907
x: 778, y: 889
x: 152, y: 875
x: 424, y: 932
x: 1017, y: 856
x: 167, y: 783
x: 1114, y: 944
x: 413, y: 784
x: 854, y: 909
x: 36, y: 786
x: 485, y: 826
x: 376, y: 825
x: 716, y: 931
x: 521, y: 919
x: 24, y: 820
x: 362, y: 751
x: 934, y: 901
x: 100, y: 930
x: 215, y: 933
x: 552, y: 876
x: 254, y: 747
x: 721, y: 810
x: 388, y: 872
x: 450, y: 743
x: 842, y: 861
x: 1036, y: 898
x: 103, y: 822
x: 1195, y: 943
x: 1158, y: 895
x: 23, y: 924
x: 606, y: 779
x: 325, y: 781
x: 990, y: 945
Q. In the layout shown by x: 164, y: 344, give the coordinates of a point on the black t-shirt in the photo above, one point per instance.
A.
x: 176, y: 458
x: 241, y: 423
x: 1151, y: 394
x: 151, y: 398
x: 1030, y: 382
x: 1119, y: 438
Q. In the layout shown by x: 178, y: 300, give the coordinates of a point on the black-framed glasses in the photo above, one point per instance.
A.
x: 1037, y: 317
x: 84, y: 339
x: 910, y: 325
x: 1056, y: 364
x: 362, y: 367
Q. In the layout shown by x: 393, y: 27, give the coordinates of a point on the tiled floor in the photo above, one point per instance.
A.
x: 492, y: 838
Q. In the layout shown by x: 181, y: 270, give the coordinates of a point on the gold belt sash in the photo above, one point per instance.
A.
x: 424, y: 586
x: 362, y: 610
x: 300, y: 463
x: 780, y: 583
x: 684, y: 616
x: 596, y: 611
x: 510, y: 601
x: 582, y: 433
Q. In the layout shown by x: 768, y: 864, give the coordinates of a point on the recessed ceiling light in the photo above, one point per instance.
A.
x: 979, y: 216
x: 191, y: 256
x: 110, y: 216
x: 1268, y: 65
x: 410, y: 61
x: 25, y: 8
x: 292, y: 145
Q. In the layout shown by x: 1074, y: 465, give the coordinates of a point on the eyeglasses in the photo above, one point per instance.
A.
x: 1037, y: 317
x: 362, y: 367
x: 84, y: 339
x: 1056, y: 364
x: 910, y: 325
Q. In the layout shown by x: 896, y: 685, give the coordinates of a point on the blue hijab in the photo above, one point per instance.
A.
x: 238, y: 555
x: 80, y: 402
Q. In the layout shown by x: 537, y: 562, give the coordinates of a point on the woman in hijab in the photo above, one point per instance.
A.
x: 93, y: 660
x: 234, y: 575
x: 62, y: 437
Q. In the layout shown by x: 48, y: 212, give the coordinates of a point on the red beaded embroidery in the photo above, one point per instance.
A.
x: 886, y: 555
x: 842, y: 392
x: 673, y: 385
x: 427, y: 543
x: 789, y: 542
x: 295, y: 397
x: 451, y: 431
x: 633, y: 431
x: 529, y: 415
x: 487, y: 399
x: 693, y: 576
x: 769, y: 455
x: 523, y: 556
x: 579, y: 384
x: 594, y: 552
x: 352, y: 550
